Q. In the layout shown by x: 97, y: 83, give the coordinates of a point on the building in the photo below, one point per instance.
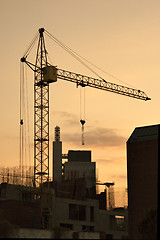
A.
x: 20, y: 205
x: 143, y: 152
x: 79, y: 165
x: 50, y: 208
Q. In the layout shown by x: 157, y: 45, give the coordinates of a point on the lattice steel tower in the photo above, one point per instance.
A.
x: 41, y: 113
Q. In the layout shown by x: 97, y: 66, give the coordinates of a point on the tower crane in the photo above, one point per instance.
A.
x: 44, y: 74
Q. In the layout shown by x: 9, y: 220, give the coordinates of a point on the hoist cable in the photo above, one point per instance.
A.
x: 23, y: 126
x: 25, y: 130
x: 79, y: 57
x: 80, y: 102
x: 76, y: 57
x: 21, y: 119
x: 84, y: 103
x: 28, y: 117
x: 84, y: 114
x: 71, y: 53
x: 111, y: 75
x: 20, y: 104
x: 31, y: 45
x: 82, y: 111
x: 26, y: 120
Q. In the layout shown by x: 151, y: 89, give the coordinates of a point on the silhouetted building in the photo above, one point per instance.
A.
x: 79, y: 165
x: 57, y: 156
x: 143, y: 149
x: 19, y: 206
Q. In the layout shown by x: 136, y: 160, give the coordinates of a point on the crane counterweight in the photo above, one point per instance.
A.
x: 50, y: 74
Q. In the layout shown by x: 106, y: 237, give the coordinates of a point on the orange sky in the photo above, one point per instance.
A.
x: 121, y: 37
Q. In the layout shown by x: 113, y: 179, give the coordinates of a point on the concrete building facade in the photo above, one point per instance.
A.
x: 79, y: 165
x: 42, y: 208
x: 20, y: 206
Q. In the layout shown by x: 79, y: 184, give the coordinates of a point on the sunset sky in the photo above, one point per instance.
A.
x: 122, y: 37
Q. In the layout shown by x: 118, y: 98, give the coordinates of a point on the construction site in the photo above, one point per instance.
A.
x: 66, y: 203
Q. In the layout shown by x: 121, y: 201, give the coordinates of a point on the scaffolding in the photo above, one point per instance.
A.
x: 14, y: 175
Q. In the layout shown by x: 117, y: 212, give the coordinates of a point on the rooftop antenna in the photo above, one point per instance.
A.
x: 57, y: 134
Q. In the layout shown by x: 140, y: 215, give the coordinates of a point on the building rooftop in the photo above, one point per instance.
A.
x: 79, y: 156
x: 144, y: 133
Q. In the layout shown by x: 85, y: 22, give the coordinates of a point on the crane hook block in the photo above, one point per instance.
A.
x: 82, y: 122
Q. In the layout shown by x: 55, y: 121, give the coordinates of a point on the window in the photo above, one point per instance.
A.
x: 82, y: 212
x: 109, y: 236
x: 73, y: 211
x: 91, y: 228
x: 87, y: 228
x: 46, y: 220
x: 26, y: 196
x: 66, y: 225
x: 3, y: 193
x: 91, y: 214
x: 77, y: 212
x: 120, y: 223
x: 84, y: 227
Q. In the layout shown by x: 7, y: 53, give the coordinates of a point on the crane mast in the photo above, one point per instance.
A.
x: 44, y: 74
x: 41, y: 115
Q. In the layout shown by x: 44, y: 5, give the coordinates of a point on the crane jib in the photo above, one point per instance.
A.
x: 101, y: 84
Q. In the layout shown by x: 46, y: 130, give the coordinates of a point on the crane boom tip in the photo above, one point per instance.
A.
x: 148, y: 98
x: 41, y: 30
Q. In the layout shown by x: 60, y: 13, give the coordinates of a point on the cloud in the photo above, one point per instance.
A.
x: 67, y: 119
x: 120, y: 176
x: 96, y: 137
x: 71, y: 138
x: 111, y: 161
x: 104, y: 137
